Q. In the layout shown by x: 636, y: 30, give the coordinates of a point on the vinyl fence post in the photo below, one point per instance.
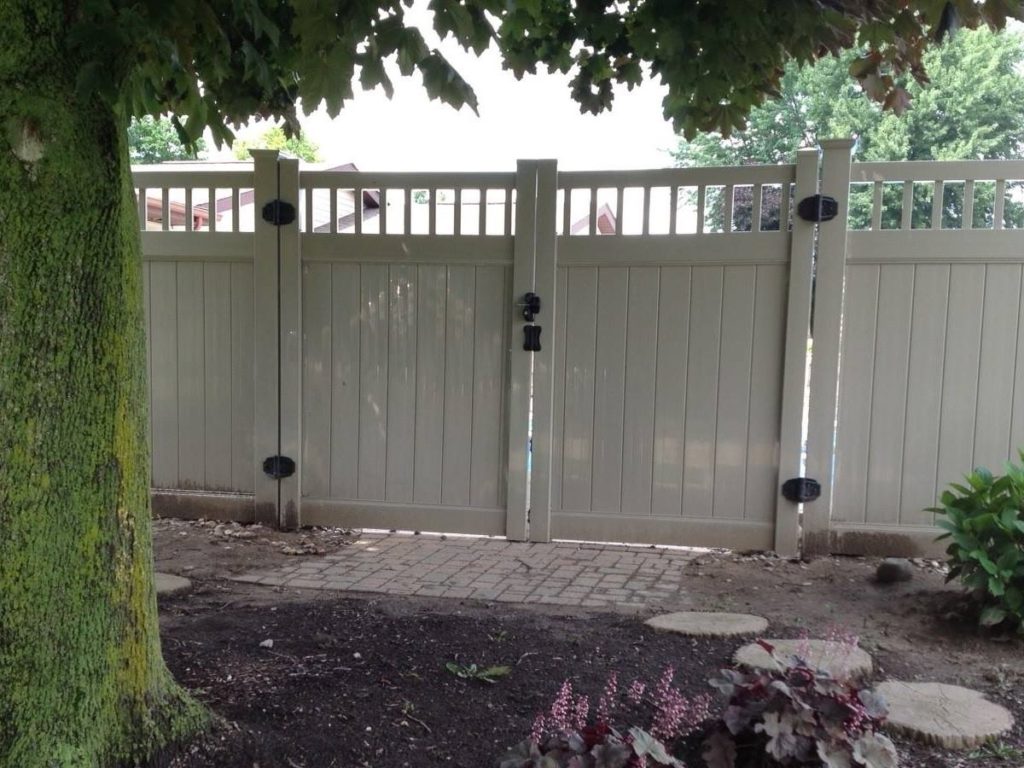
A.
x: 520, y: 363
x: 290, y: 335
x: 265, y: 338
x: 276, y: 340
x: 544, y: 360
x: 830, y: 275
x: 798, y: 317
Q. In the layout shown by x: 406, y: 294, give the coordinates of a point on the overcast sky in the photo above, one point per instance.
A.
x: 532, y: 118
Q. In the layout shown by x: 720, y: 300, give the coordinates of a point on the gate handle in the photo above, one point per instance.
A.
x: 530, y: 305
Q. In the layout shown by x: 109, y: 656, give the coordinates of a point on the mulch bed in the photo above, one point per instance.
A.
x: 349, y: 683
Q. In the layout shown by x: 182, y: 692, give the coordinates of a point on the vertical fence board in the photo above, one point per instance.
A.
x: 317, y: 330
x: 924, y: 392
x: 853, y: 435
x: 373, y: 381
x: 609, y: 388
x: 164, y: 385
x: 488, y: 382
x: 888, y: 405
x: 559, y: 448
x: 191, y: 377
x: 430, y: 382
x: 960, y: 372
x: 401, y: 420
x: 458, y: 400
x: 734, y: 385
x: 242, y: 377
x: 346, y: 393
x: 670, y: 391
x: 702, y: 391
x: 577, y: 407
x: 997, y: 364
x: 767, y: 359
x: 217, y: 374
x: 641, y: 372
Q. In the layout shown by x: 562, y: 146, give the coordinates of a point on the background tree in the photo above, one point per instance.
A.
x: 275, y: 138
x: 82, y: 682
x: 973, y: 109
x: 153, y: 140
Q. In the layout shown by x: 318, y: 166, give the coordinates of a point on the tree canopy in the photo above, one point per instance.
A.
x: 220, y: 63
x: 275, y: 138
x: 972, y: 109
x: 155, y: 140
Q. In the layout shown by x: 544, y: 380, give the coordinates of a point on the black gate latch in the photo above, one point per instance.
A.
x: 279, y: 467
x: 817, y: 208
x: 531, y: 306
x: 531, y: 338
x: 801, y: 489
x: 279, y: 213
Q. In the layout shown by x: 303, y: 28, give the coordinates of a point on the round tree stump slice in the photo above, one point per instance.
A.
x: 943, y: 715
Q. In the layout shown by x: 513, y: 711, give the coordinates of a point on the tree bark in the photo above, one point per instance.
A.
x: 82, y: 680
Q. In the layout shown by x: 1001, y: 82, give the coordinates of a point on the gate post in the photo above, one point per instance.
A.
x: 830, y: 275
x: 528, y: 513
x: 276, y: 340
x: 517, y: 493
x: 794, y: 372
x: 544, y: 360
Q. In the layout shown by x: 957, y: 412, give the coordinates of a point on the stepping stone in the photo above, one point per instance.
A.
x: 943, y: 715
x: 838, y: 659
x: 708, y: 624
x: 169, y: 584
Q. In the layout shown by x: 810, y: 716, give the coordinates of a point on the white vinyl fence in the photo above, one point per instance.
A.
x: 361, y: 361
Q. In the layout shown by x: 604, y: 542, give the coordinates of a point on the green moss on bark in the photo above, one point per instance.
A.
x: 82, y: 680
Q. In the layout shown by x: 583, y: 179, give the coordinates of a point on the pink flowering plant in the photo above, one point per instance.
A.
x: 572, y: 734
x: 797, y: 715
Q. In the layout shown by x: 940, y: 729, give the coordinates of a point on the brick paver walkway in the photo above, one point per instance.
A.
x: 588, y: 575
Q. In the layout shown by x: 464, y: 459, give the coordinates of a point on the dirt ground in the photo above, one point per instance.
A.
x: 358, y: 681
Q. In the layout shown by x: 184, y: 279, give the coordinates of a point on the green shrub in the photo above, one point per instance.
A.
x: 985, y: 528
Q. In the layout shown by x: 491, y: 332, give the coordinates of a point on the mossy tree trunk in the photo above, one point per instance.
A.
x: 82, y: 680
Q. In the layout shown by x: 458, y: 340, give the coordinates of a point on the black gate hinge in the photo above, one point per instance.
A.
x: 801, y: 489
x: 817, y: 208
x: 279, y: 213
x: 279, y: 467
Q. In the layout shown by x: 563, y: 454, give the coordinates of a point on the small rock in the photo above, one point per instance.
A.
x: 268, y: 643
x: 169, y: 584
x: 893, y: 570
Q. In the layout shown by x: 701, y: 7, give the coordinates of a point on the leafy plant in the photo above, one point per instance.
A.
x: 568, y: 736
x: 797, y: 715
x: 474, y: 672
x: 985, y: 527
x: 998, y: 750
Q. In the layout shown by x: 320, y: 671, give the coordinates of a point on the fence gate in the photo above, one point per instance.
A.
x: 409, y: 370
x: 346, y: 348
x: 677, y: 370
